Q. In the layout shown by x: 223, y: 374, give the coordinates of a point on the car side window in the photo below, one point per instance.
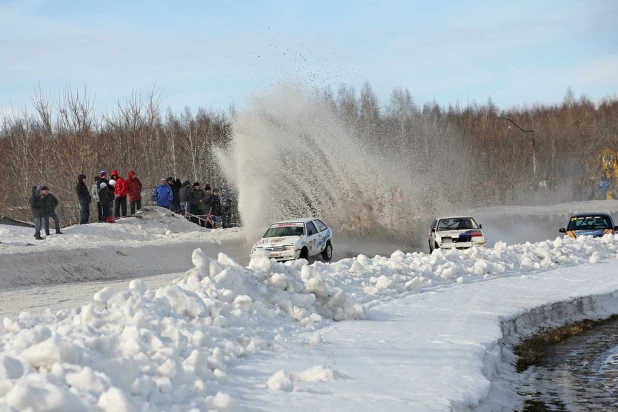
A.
x: 311, y: 230
x: 321, y: 226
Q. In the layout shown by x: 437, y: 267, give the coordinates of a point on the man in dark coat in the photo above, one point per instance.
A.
x: 183, y: 196
x: 196, y: 196
x: 175, y: 185
x: 50, y: 203
x: 106, y: 198
x: 36, y: 205
x: 213, y: 203
x: 83, y: 194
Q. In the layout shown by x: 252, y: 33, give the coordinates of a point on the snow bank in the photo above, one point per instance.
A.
x: 379, y: 279
x: 156, y: 242
x: 137, y: 348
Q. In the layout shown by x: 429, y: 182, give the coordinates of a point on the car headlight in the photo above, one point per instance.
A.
x: 289, y: 247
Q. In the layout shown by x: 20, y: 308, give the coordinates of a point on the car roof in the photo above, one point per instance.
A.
x: 591, y: 214
x: 301, y: 220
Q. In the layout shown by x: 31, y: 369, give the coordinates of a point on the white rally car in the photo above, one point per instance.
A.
x: 455, y: 232
x: 296, y: 239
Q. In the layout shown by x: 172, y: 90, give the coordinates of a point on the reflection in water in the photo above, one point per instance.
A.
x: 580, y: 374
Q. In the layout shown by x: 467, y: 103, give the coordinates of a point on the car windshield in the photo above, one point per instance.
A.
x: 456, y: 223
x: 591, y: 222
x: 282, y: 231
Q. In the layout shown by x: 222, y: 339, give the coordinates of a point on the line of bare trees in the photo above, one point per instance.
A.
x: 65, y: 136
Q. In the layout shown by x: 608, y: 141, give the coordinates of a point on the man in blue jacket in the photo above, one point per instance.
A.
x: 163, y: 194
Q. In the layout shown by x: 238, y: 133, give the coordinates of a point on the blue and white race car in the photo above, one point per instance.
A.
x: 296, y: 239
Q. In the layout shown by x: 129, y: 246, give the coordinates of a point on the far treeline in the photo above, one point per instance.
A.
x: 525, y: 155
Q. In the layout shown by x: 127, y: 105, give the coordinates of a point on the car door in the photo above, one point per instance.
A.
x: 322, y: 236
x: 312, y: 235
x: 432, y: 230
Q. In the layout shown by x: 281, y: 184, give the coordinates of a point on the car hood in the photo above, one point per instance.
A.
x: 277, y: 241
x: 590, y: 232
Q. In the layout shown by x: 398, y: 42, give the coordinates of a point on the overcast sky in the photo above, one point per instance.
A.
x: 212, y: 54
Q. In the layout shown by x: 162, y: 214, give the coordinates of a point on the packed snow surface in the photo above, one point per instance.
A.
x: 418, y: 332
x: 155, y: 241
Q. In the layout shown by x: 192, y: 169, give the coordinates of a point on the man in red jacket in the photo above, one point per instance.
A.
x: 134, y: 188
x: 120, y: 193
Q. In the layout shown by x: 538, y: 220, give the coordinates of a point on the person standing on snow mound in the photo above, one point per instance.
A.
x: 175, y: 185
x: 163, y: 194
x: 83, y: 195
x: 183, y: 196
x: 50, y: 203
x: 106, y: 198
x: 37, y: 211
x: 94, y: 192
x: 196, y: 205
x: 134, y: 189
x: 120, y: 192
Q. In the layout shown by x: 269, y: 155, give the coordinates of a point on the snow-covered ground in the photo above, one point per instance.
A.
x: 403, y: 332
x: 157, y: 242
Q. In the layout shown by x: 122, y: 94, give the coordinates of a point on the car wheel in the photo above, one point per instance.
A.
x: 327, y: 253
x: 304, y: 254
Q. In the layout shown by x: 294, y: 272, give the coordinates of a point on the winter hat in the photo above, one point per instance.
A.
x: 186, y: 183
x: 207, y: 187
x: 170, y: 178
x: 196, y: 184
x: 114, y: 173
x: 103, y: 185
x: 103, y: 173
x: 215, y: 191
x: 131, y: 174
x: 163, y: 180
x: 112, y: 183
x: 44, y: 188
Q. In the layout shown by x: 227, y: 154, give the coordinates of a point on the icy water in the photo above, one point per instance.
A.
x: 580, y: 374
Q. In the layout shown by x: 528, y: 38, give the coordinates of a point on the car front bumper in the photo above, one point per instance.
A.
x: 461, y: 245
x: 279, y: 255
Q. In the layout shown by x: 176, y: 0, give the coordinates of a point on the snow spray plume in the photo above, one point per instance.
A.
x: 292, y: 156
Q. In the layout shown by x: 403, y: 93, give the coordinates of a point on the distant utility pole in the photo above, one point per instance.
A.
x: 533, y: 142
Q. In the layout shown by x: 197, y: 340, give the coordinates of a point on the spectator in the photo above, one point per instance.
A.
x: 163, y: 195
x: 37, y: 211
x: 134, y: 188
x: 175, y: 186
x: 83, y: 194
x: 106, y: 198
x: 196, y: 205
x: 50, y: 203
x: 120, y: 193
x: 94, y: 192
x: 102, y: 179
x: 214, y: 202
x: 183, y: 196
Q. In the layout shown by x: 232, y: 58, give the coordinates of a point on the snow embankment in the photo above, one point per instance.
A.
x: 177, y: 347
x: 156, y: 241
x: 137, y: 349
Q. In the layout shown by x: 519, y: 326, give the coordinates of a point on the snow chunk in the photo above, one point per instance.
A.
x: 114, y: 400
x: 10, y: 368
x: 280, y: 381
x: 315, y: 374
